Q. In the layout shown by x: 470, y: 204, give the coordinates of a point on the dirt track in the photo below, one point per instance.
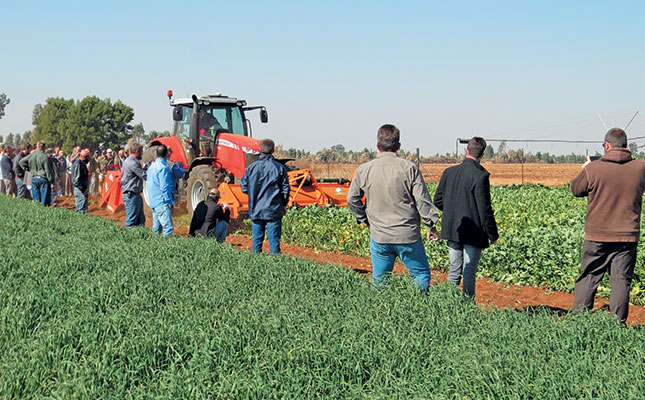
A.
x: 500, y: 174
x: 521, y: 298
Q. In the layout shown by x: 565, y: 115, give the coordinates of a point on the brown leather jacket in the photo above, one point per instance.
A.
x: 615, y: 186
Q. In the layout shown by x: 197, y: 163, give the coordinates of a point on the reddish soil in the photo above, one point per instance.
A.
x: 500, y: 174
x: 489, y: 293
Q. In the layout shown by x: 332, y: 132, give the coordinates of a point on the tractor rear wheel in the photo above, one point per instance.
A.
x: 201, y: 180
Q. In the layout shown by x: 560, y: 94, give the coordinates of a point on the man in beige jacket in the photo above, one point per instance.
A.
x: 397, y: 200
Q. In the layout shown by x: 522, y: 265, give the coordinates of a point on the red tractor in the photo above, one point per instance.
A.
x: 211, y: 139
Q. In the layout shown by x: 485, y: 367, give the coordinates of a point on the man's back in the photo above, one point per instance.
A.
x: 6, y: 167
x: 615, y: 186
x: 80, y: 177
x: 397, y: 198
x: 159, y: 184
x: 463, y: 195
x: 38, y: 164
x: 267, y: 184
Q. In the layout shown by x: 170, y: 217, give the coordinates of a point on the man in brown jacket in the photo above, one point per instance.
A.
x: 615, y: 186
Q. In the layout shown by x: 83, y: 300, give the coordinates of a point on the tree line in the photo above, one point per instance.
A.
x: 100, y: 124
x: 338, y: 154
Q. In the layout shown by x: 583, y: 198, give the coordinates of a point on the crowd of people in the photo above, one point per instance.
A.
x: 388, y: 194
x: 47, y: 173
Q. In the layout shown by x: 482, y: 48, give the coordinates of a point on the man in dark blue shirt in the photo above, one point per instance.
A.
x: 267, y: 184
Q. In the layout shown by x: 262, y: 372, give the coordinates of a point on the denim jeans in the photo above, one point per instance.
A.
x: 221, y: 231
x: 134, y: 215
x: 413, y: 256
x: 21, y: 192
x: 464, y: 259
x: 81, y: 201
x: 273, y: 230
x: 162, y: 220
x: 41, y: 190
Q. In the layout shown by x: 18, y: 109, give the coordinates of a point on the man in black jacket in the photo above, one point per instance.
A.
x: 468, y: 223
x: 210, y: 218
x: 22, y: 192
x: 80, y: 180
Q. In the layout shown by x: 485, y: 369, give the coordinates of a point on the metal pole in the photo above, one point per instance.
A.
x: 418, y: 158
x: 630, y: 121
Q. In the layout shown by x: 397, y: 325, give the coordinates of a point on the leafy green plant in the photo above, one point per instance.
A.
x: 541, y: 235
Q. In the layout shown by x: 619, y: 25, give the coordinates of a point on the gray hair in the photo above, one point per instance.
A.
x: 616, y: 137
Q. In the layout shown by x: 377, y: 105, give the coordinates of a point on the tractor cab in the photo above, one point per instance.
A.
x: 199, y: 122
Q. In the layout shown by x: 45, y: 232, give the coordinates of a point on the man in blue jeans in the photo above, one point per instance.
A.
x: 160, y: 187
x: 132, y: 178
x: 396, y: 201
x: 40, y: 167
x: 267, y: 184
x: 468, y: 223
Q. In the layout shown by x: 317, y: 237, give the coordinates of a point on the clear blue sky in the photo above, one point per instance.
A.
x: 332, y: 72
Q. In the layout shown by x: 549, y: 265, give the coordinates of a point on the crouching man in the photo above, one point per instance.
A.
x: 211, y: 219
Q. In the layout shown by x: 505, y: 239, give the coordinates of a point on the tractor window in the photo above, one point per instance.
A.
x: 183, y: 126
x: 226, y: 118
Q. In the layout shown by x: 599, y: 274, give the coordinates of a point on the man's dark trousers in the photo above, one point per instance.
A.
x: 617, y: 258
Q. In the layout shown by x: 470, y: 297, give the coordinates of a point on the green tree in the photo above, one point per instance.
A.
x: 4, y: 101
x: 28, y: 136
x: 138, y: 133
x: 1, y: 139
x: 489, y: 152
x: 91, y: 122
x: 50, y: 120
x: 155, y: 134
x: 38, y: 109
x: 9, y: 140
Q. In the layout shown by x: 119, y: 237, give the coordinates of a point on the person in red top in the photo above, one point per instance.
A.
x: 614, y: 185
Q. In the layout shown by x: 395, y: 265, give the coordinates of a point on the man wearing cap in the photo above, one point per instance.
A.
x: 160, y: 185
x: 267, y: 184
x: 80, y: 180
x: 211, y: 219
x: 132, y: 179
x: 40, y: 167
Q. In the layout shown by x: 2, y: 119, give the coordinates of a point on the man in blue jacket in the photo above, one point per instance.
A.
x: 160, y: 186
x: 267, y: 184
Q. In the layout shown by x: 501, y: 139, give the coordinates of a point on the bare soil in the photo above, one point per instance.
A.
x: 489, y: 293
x: 501, y: 174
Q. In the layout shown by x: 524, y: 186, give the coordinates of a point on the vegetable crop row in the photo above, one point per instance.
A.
x: 541, y: 235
